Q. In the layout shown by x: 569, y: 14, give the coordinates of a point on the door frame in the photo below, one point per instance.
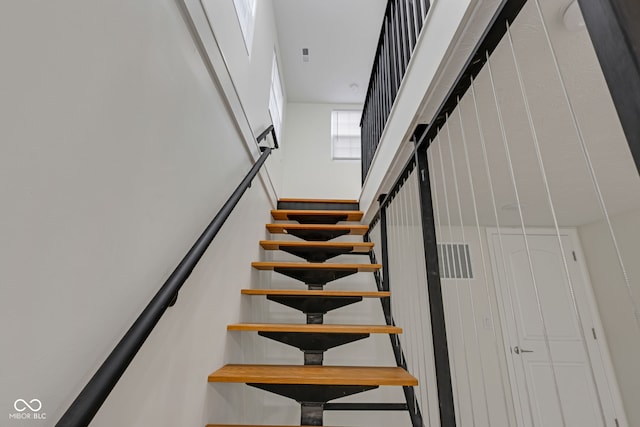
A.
x: 598, y: 345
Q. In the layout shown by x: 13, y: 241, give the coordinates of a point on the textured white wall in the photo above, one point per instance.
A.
x: 616, y: 311
x: 116, y: 150
x: 309, y: 170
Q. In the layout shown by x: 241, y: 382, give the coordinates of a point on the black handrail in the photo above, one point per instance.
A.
x: 270, y: 130
x: 93, y: 395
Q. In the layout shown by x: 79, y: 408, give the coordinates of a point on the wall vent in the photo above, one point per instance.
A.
x: 455, y: 261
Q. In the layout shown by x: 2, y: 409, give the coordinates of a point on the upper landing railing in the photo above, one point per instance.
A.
x: 403, y: 21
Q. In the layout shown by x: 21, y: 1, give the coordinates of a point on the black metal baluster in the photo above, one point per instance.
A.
x: 436, y: 305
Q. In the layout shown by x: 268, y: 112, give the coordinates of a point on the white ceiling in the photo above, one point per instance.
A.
x: 341, y: 36
x: 574, y: 197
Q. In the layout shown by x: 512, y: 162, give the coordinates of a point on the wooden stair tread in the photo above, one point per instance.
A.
x: 270, y: 265
x: 315, y: 328
x: 314, y: 375
x: 314, y: 293
x: 286, y: 214
x: 297, y: 200
x: 360, y: 247
x: 356, y: 229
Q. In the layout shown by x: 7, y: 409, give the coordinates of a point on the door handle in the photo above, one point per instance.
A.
x: 518, y: 350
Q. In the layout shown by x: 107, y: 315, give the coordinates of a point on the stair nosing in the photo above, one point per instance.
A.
x: 352, y: 215
x: 355, y: 247
x: 320, y: 226
x: 314, y: 375
x: 313, y: 266
x: 326, y: 328
x: 317, y: 292
x: 327, y: 201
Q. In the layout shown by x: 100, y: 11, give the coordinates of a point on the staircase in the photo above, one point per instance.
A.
x: 313, y: 384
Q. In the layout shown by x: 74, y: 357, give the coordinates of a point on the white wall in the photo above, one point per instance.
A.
x: 620, y: 323
x: 250, y: 71
x: 116, y: 150
x: 309, y: 170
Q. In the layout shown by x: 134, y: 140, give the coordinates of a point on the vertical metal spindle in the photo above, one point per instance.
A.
x: 413, y: 282
x: 393, y: 53
x: 536, y: 143
x: 484, y: 270
x: 418, y: 17
x: 404, y: 36
x: 383, y: 76
x: 545, y: 330
x: 485, y: 158
x: 384, y: 249
x: 595, y: 13
x: 436, y: 305
x: 411, y: 24
x: 453, y: 276
x: 425, y: 5
x: 478, y: 350
x: 414, y: 411
x: 436, y: 206
x: 398, y: 40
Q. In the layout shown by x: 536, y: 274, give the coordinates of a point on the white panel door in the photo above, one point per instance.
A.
x: 535, y: 280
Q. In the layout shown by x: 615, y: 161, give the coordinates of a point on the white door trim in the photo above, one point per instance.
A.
x: 600, y: 344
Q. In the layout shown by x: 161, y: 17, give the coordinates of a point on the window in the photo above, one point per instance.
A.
x: 276, y: 97
x: 345, y: 134
x: 246, y: 11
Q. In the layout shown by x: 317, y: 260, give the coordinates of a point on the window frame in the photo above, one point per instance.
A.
x: 276, y: 100
x: 334, y: 114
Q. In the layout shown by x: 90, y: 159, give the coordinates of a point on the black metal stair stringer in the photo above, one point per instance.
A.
x: 316, y: 276
x: 312, y: 397
x: 318, y: 206
x: 311, y: 304
x: 318, y: 219
x: 318, y: 254
x: 313, y: 235
x: 365, y: 406
x: 313, y: 344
